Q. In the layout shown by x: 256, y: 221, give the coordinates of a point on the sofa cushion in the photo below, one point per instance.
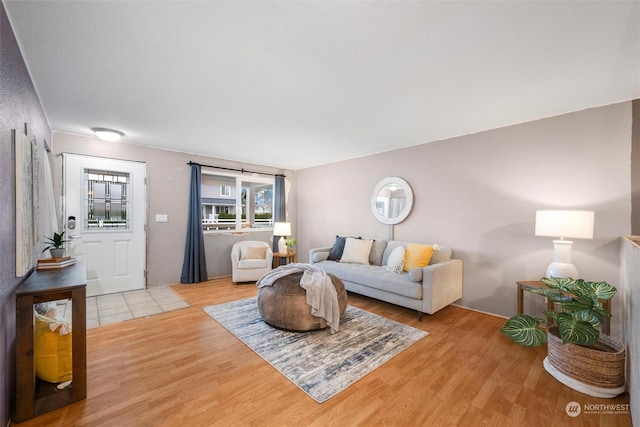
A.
x: 356, y: 251
x: 440, y: 254
x: 377, y: 250
x: 376, y: 277
x: 396, y: 260
x: 245, y: 264
x: 417, y: 256
x: 391, y: 245
x: 415, y: 275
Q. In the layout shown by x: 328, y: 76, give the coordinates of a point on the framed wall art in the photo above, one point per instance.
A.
x: 27, y: 165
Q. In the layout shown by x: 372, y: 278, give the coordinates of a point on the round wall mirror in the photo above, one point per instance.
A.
x: 391, y: 200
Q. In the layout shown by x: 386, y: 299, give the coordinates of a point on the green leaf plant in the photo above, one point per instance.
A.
x: 578, y: 313
x: 55, y: 242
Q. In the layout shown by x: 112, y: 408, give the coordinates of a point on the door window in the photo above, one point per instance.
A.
x: 106, y: 203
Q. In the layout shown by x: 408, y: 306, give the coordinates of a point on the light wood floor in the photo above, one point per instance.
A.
x: 183, y: 369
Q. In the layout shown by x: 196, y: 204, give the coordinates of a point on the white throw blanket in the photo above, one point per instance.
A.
x: 321, y: 294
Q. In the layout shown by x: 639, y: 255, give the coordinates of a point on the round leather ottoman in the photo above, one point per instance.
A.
x: 284, y: 304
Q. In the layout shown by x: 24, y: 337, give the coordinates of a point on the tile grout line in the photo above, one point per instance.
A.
x: 153, y: 299
x: 156, y: 301
x: 128, y: 305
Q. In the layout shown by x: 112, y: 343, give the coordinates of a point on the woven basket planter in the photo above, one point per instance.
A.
x: 597, y: 370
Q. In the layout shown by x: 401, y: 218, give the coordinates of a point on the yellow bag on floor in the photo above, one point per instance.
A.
x: 52, y: 351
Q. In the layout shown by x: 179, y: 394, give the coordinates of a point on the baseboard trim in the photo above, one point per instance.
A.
x: 480, y: 311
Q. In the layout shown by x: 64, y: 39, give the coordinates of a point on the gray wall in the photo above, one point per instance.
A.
x: 19, y: 104
x: 167, y: 193
x: 479, y: 193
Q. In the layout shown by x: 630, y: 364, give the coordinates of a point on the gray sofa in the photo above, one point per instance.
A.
x: 425, y: 290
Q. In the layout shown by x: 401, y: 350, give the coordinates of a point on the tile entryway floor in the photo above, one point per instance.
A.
x: 112, y: 308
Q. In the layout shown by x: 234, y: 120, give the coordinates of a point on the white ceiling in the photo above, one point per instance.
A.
x: 294, y: 84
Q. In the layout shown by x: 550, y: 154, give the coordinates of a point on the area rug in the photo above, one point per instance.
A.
x: 322, y: 364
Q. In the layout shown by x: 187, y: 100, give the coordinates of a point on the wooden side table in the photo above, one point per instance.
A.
x: 280, y: 258
x: 606, y: 326
x: 33, y: 396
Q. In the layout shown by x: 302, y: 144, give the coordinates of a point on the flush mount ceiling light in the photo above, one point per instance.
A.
x: 108, y: 134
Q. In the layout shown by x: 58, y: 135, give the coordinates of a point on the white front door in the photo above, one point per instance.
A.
x: 105, y: 214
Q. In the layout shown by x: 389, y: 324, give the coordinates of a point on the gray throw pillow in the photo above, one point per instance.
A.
x: 336, y: 250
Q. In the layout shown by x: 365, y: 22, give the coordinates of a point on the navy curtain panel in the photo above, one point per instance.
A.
x: 279, y: 208
x: 194, y: 266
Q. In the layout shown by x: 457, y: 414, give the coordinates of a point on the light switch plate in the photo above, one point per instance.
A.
x: 162, y: 218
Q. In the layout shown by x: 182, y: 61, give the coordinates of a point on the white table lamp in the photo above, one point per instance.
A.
x: 572, y: 224
x: 282, y: 229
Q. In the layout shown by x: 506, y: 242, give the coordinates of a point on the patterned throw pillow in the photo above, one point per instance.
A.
x: 338, y: 247
x: 417, y: 256
x: 356, y: 251
x: 396, y: 260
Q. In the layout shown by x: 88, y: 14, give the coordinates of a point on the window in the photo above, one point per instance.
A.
x: 106, y: 202
x: 226, y: 195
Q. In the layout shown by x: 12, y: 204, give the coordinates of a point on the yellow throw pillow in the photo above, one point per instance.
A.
x: 255, y: 252
x: 52, y: 352
x: 417, y: 256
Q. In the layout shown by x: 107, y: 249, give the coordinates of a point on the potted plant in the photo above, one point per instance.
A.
x: 578, y: 355
x: 291, y: 242
x: 55, y: 245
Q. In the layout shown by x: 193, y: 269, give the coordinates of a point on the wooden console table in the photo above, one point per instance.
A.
x: 606, y: 326
x: 35, y: 397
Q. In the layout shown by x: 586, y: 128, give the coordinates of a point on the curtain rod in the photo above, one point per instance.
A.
x: 235, y: 169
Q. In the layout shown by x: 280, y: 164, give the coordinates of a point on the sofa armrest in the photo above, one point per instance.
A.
x: 318, y: 254
x: 441, y: 285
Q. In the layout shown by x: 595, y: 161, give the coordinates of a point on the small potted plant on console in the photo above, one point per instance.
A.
x: 55, y: 245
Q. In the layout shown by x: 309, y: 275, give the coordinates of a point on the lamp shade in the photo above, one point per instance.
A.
x: 572, y: 224
x: 282, y: 229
